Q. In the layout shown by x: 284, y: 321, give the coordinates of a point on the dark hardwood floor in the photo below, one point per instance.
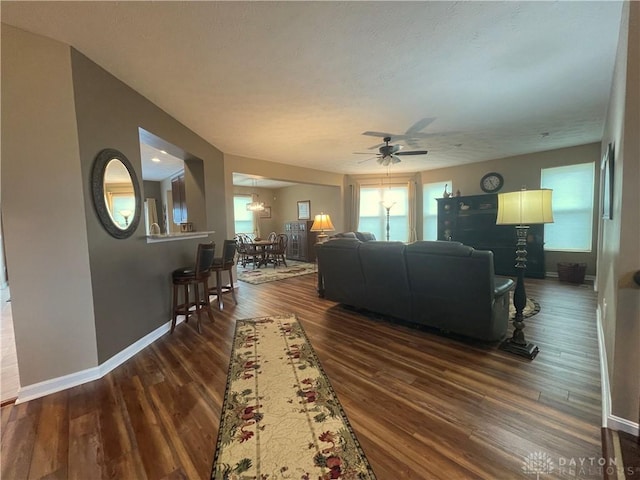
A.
x: 423, y: 405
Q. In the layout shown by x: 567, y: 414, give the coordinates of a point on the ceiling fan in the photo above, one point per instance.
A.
x: 410, y: 137
x: 389, y: 153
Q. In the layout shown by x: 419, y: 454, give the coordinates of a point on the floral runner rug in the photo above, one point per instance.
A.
x: 280, y: 417
x: 268, y: 273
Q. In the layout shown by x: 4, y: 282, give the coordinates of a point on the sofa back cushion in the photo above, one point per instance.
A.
x: 340, y: 271
x: 365, y: 236
x: 453, y: 286
x: 386, y: 283
x: 344, y: 235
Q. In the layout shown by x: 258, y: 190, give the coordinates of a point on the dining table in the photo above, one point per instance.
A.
x: 262, y: 249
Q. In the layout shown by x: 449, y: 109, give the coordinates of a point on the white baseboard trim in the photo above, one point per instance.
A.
x: 605, y: 390
x: 609, y: 420
x: 623, y: 425
x: 37, y: 390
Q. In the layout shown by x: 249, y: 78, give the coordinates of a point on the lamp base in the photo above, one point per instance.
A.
x: 322, y: 237
x: 528, y: 350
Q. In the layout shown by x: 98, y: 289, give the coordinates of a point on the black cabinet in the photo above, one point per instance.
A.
x: 472, y: 221
x: 301, y: 243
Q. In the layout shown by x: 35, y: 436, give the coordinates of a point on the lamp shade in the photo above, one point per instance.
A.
x: 322, y: 223
x: 525, y: 207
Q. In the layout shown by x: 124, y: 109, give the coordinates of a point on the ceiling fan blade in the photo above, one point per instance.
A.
x: 419, y: 125
x: 366, y: 160
x: 438, y: 134
x: 377, y: 134
x: 414, y: 152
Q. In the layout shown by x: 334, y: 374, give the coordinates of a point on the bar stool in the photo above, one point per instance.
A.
x: 224, y: 264
x: 195, y: 276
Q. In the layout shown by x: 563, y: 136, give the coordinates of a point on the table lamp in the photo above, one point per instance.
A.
x: 322, y: 223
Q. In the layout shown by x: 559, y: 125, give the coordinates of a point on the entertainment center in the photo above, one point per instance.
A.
x: 472, y: 220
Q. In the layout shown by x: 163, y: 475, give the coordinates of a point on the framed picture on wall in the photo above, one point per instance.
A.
x: 607, y: 183
x: 266, y: 213
x: 304, y: 210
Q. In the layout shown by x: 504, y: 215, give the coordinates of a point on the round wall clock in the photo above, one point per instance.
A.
x: 491, y: 182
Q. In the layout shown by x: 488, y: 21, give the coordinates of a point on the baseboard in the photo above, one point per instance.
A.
x: 37, y: 390
x: 623, y: 425
x: 609, y: 420
x: 604, y: 371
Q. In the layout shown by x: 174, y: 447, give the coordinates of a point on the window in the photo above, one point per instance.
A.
x: 243, y: 219
x: 431, y: 191
x: 573, y: 187
x: 373, y: 215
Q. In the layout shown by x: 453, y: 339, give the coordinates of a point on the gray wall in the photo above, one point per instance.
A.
x: 618, y: 295
x: 323, y: 199
x: 524, y: 170
x: 80, y: 296
x: 131, y: 278
x: 44, y: 211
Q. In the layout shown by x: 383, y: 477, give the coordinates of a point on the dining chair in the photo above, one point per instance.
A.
x: 241, y: 249
x: 277, y: 254
x: 193, y: 277
x: 253, y: 254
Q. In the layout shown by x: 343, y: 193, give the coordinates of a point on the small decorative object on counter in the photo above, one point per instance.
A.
x: 445, y: 194
x: 154, y: 229
x: 186, y: 227
x: 458, y: 193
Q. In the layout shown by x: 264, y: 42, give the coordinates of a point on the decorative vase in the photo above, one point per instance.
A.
x: 445, y: 194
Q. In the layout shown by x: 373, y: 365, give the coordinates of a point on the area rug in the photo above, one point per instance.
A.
x: 281, y: 417
x: 530, y: 309
x: 268, y: 273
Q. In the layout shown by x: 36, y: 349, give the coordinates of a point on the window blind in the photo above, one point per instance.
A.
x: 573, y: 190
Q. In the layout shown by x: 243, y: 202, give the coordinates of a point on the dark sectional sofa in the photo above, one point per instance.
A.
x: 446, y: 285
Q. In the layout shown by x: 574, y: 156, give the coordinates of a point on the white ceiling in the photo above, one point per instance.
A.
x: 158, y: 165
x: 300, y: 82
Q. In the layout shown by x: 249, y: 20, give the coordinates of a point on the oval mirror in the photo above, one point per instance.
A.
x: 116, y: 193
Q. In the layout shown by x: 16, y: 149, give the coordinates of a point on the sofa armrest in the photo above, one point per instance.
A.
x: 502, y: 286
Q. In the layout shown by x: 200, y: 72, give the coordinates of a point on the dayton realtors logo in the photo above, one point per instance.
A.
x: 541, y: 463
x: 537, y: 463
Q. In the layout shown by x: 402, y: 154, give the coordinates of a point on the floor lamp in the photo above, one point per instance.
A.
x: 322, y: 223
x: 126, y: 213
x: 387, y: 206
x: 523, y: 208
